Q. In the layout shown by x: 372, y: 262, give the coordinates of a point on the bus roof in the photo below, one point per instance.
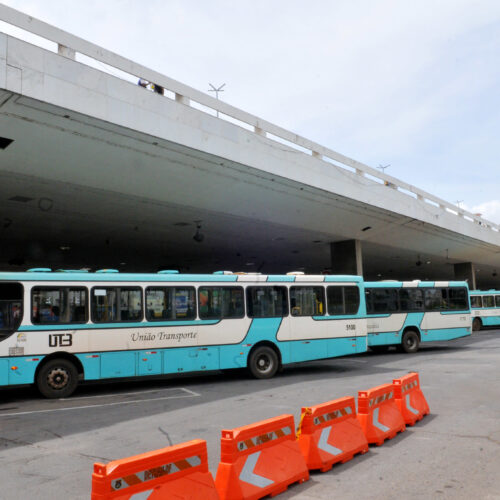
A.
x: 111, y: 275
x: 414, y: 284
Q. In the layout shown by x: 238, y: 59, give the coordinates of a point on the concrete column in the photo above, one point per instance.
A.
x: 346, y: 257
x: 466, y: 272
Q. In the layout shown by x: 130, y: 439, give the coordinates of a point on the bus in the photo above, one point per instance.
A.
x: 59, y: 328
x: 406, y: 313
x: 485, y: 307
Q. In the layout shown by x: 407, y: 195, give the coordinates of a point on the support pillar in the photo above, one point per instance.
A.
x: 465, y: 271
x: 346, y: 257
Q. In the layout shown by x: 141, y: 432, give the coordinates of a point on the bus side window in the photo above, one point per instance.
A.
x: 458, y: 298
x: 488, y: 301
x: 307, y: 300
x: 475, y: 301
x: 266, y: 301
x: 77, y: 305
x: 411, y: 299
x: 47, y: 305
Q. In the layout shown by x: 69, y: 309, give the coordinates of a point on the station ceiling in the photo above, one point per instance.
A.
x: 76, y: 192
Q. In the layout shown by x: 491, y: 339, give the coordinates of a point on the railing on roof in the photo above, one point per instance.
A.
x: 69, y: 45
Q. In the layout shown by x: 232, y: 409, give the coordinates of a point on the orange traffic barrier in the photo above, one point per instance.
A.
x: 330, y: 433
x: 379, y: 415
x: 179, y: 472
x: 259, y: 459
x: 410, y: 399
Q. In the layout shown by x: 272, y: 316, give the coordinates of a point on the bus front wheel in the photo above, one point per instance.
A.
x: 58, y: 378
x: 410, y: 341
x: 476, y: 325
x: 263, y: 362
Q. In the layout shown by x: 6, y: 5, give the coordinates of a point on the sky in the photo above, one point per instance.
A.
x: 412, y: 85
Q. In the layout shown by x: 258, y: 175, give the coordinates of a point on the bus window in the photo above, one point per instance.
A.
x: 47, y: 305
x: 488, y: 301
x: 130, y: 304
x: 170, y: 303
x: 60, y: 305
x: 307, y: 300
x: 104, y: 305
x: 475, y: 301
x: 266, y: 301
x: 458, y: 298
x: 436, y: 299
x: 343, y: 300
x: 11, y: 308
x: 220, y: 302
x: 411, y: 299
x: 497, y: 300
x: 351, y: 296
x: 384, y: 300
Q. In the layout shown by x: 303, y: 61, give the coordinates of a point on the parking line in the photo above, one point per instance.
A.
x: 124, y: 393
x: 190, y: 394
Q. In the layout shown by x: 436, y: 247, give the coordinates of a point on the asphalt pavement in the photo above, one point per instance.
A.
x: 48, y: 447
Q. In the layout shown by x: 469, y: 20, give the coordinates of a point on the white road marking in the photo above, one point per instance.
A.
x: 123, y: 393
x: 190, y: 394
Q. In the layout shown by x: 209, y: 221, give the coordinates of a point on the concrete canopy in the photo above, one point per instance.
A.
x: 103, y: 173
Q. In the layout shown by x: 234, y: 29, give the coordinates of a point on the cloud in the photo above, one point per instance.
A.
x: 490, y: 210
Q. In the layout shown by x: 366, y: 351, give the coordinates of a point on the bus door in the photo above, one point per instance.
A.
x: 308, y: 331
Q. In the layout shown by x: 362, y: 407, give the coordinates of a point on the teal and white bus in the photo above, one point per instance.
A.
x: 485, y: 307
x: 406, y: 313
x: 59, y: 328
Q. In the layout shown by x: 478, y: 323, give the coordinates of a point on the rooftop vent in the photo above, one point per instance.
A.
x: 107, y: 271
x: 39, y: 270
x: 72, y: 271
x: 169, y: 271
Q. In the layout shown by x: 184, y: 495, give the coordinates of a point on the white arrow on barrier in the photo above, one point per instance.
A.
x: 409, y: 406
x: 143, y: 495
x: 248, y: 475
x: 376, y: 423
x: 323, y: 442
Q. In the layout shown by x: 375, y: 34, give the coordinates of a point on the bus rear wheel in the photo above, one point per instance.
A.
x: 58, y: 378
x: 410, y: 341
x: 263, y: 362
x: 476, y: 325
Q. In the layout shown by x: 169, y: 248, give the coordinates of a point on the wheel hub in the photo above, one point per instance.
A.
x: 263, y: 363
x: 58, y: 378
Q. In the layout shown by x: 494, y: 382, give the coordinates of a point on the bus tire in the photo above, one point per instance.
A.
x: 410, y: 341
x: 58, y: 378
x: 476, y: 325
x: 263, y: 362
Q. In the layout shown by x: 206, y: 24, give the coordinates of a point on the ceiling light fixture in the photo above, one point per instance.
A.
x: 198, y: 236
